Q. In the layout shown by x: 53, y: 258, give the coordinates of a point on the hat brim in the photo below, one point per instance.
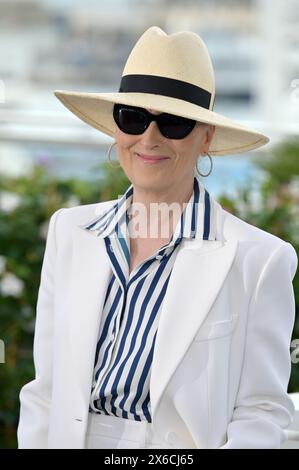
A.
x: 95, y: 109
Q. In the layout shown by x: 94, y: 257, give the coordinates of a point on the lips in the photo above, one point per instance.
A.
x: 152, y: 158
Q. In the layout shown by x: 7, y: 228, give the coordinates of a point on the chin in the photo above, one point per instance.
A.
x: 150, y: 181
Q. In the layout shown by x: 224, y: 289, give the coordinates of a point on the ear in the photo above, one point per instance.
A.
x: 211, y: 131
x: 209, y: 135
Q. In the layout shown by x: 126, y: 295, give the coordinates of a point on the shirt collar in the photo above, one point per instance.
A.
x: 198, y: 219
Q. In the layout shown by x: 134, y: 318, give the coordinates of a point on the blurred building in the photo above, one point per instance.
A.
x: 278, y: 60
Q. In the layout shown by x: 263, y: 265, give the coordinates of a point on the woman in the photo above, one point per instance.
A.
x: 171, y: 328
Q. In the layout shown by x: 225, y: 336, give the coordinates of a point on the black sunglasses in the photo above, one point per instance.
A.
x: 134, y: 120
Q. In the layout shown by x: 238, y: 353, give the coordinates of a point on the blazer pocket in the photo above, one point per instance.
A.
x: 217, y: 329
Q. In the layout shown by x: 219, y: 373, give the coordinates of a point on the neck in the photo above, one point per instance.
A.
x: 158, y: 212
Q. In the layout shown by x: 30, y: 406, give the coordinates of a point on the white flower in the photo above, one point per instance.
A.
x: 294, y: 187
x: 256, y: 199
x: 9, y: 201
x: 11, y: 285
x: 44, y: 229
x: 72, y: 201
x: 2, y: 264
x: 2, y: 352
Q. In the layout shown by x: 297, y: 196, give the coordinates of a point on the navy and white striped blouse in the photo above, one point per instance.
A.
x: 133, y: 304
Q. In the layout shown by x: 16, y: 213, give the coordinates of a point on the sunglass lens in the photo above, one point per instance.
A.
x: 129, y: 120
x: 175, y: 127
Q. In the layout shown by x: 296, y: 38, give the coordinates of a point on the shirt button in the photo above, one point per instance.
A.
x: 159, y: 256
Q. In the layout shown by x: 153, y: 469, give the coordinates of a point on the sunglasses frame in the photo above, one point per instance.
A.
x: 152, y: 117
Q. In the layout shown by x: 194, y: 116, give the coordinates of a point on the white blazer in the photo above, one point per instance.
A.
x: 221, y: 364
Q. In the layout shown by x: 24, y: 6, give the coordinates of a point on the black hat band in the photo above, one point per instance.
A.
x: 166, y: 87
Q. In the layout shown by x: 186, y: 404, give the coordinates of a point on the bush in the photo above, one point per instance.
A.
x: 26, y: 206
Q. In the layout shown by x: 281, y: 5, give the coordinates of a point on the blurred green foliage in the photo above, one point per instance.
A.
x: 26, y: 206
x: 24, y: 217
x: 275, y: 210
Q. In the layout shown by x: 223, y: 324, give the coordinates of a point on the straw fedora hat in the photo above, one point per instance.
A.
x: 172, y: 74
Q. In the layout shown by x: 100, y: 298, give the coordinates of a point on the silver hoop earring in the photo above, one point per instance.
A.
x: 109, y: 159
x: 207, y: 174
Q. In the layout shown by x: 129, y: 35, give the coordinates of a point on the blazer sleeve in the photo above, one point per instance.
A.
x: 35, y: 396
x: 263, y: 408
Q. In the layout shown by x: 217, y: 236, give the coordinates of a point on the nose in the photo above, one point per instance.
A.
x: 152, y: 133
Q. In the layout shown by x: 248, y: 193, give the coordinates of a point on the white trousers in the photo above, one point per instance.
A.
x: 111, y: 432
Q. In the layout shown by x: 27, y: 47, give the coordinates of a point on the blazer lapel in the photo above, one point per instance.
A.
x: 197, y: 277
x: 91, y: 273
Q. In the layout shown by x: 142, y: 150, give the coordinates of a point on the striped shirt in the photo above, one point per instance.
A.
x: 132, y: 305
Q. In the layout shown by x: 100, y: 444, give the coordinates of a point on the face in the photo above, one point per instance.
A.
x: 176, y: 169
